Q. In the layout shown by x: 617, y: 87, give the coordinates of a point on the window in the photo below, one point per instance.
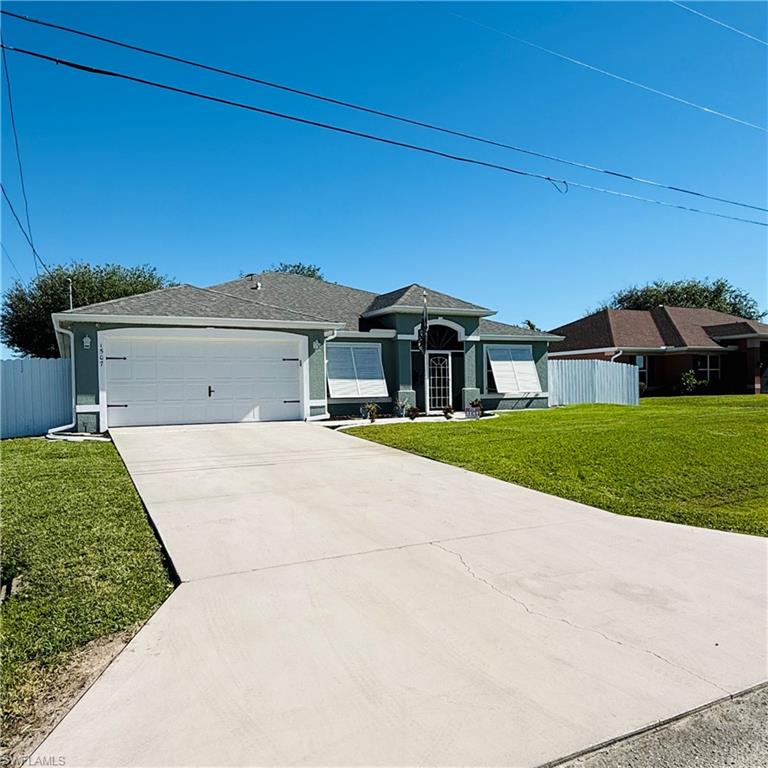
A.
x: 708, y: 367
x: 510, y: 369
x: 641, y: 361
x: 355, y: 371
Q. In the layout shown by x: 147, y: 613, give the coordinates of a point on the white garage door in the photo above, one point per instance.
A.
x: 151, y: 379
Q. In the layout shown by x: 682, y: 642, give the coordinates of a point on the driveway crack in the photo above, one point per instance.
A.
x: 563, y: 620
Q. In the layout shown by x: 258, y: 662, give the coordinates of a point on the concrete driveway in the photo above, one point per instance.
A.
x: 344, y: 603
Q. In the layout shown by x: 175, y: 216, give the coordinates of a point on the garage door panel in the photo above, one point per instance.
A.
x: 166, y: 380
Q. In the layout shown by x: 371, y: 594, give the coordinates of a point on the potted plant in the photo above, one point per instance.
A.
x: 399, y: 407
x: 412, y: 412
x: 371, y: 411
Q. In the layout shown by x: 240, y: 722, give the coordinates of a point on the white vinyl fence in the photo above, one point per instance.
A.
x: 592, y: 381
x: 36, y: 396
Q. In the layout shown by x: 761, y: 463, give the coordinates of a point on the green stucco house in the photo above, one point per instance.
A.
x: 278, y: 346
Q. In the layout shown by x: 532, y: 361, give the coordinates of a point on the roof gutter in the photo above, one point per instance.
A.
x: 408, y: 310
x: 220, y: 322
x: 642, y: 350
x: 513, y: 337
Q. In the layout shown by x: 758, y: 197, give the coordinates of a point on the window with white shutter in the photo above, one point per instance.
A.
x: 511, y: 369
x: 355, y: 371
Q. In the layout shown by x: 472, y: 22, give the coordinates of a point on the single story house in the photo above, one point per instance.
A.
x: 730, y: 353
x: 278, y: 346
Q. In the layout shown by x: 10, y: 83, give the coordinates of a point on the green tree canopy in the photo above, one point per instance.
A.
x: 299, y: 268
x: 710, y: 294
x: 25, y: 317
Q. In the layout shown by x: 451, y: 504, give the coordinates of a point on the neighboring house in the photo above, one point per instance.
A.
x: 729, y: 352
x: 280, y: 346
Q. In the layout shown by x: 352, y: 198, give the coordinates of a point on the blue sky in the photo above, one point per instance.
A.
x: 117, y: 172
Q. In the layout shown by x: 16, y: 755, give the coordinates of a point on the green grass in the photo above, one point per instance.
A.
x: 696, y: 460
x: 76, y: 535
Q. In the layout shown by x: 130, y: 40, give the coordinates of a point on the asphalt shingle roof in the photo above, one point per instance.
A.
x: 496, y: 328
x: 189, y: 301
x: 653, y: 328
x: 339, y: 303
x: 412, y: 296
x: 279, y: 296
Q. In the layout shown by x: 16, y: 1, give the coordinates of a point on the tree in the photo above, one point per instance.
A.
x: 299, y: 268
x: 531, y: 325
x: 25, y: 317
x: 710, y: 294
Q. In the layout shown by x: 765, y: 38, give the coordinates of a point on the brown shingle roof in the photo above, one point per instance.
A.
x: 656, y: 328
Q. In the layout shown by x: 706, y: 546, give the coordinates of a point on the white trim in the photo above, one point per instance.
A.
x: 95, y: 408
x: 353, y: 400
x: 195, y: 322
x: 230, y: 334
x: 317, y: 403
x: 406, y: 310
x: 460, y: 332
x: 427, y: 393
x: 318, y: 417
x: 374, y: 333
x: 643, y: 351
x: 524, y: 337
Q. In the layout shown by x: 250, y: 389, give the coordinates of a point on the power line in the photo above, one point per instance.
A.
x: 557, y: 183
x: 605, y: 72
x: 24, y: 231
x: 13, y: 264
x: 718, y: 22
x: 377, y: 112
x: 18, y: 151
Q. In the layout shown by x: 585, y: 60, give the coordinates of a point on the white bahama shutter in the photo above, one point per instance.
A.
x: 355, y: 370
x: 342, y: 381
x: 513, y: 369
x: 370, y: 372
x: 525, y: 369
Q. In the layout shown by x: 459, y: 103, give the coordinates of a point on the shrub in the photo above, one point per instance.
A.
x: 412, y: 412
x: 689, y: 384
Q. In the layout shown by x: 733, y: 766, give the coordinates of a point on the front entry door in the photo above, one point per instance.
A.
x: 439, y: 378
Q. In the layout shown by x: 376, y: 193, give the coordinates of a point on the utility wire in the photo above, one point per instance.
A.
x: 18, y: 152
x: 718, y: 22
x: 378, y: 112
x: 605, y: 72
x: 24, y: 231
x: 557, y: 183
x: 13, y: 264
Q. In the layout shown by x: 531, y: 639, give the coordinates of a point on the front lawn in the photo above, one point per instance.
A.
x: 695, y: 460
x: 86, y: 564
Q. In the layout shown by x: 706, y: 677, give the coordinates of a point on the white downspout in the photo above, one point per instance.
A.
x: 618, y: 354
x: 53, y: 433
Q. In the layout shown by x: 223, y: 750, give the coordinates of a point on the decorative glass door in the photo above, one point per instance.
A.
x: 439, y: 368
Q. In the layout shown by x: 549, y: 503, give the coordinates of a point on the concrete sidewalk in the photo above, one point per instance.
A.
x: 347, y: 604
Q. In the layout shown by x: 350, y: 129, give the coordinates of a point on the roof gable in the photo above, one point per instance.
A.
x: 412, y: 297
